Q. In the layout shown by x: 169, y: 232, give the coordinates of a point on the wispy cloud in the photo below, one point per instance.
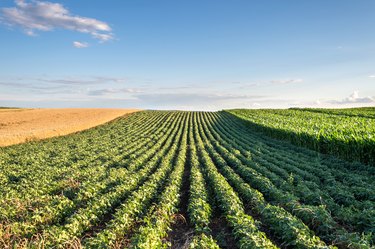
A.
x: 78, y: 44
x: 46, y: 84
x: 46, y: 16
x: 371, y: 76
x: 286, y: 81
x: 22, y: 85
x: 82, y: 81
x: 111, y: 91
x: 275, y: 82
x: 194, y: 101
x: 184, y: 87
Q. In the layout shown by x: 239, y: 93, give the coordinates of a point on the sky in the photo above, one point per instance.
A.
x: 189, y: 55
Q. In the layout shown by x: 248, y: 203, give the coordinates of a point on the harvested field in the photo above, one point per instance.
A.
x: 21, y: 125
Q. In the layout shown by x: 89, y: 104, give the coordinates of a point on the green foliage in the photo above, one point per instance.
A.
x: 119, y: 185
x: 203, y: 241
x: 346, y: 133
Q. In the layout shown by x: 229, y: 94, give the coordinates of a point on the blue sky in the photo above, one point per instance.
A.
x: 192, y: 55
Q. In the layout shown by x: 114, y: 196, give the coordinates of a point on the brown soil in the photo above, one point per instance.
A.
x: 21, y: 125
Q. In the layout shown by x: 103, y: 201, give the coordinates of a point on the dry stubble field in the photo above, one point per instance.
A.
x: 20, y: 125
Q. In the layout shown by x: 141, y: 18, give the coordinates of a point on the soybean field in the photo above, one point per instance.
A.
x: 173, y: 179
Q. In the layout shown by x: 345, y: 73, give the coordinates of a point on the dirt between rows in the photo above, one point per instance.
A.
x: 22, y: 125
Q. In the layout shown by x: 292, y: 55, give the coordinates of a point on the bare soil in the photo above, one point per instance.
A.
x: 22, y: 125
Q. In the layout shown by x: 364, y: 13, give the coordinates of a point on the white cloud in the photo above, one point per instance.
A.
x: 354, y: 98
x: 46, y: 16
x: 78, y: 44
x: 372, y: 76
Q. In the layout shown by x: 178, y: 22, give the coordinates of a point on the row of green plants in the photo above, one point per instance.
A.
x: 19, y: 178
x: 317, y: 216
x: 349, y: 137
x: 122, y: 223
x: 72, y: 199
x: 35, y: 169
x: 199, y: 208
x: 316, y: 171
x: 96, y: 200
x: 282, y: 225
x: 245, y: 228
x: 120, y: 185
x: 156, y: 225
x: 350, y: 204
x: 54, y: 154
x: 366, y: 112
x: 83, y: 219
x: 342, y: 170
x: 46, y: 213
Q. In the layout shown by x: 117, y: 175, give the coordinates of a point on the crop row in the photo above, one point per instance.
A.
x: 84, y: 191
x: 345, y: 187
x: 366, y: 112
x: 320, y: 212
x: 123, y: 185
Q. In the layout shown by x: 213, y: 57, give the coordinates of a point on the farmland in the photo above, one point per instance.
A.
x: 158, y: 179
x: 345, y: 133
x: 20, y: 125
